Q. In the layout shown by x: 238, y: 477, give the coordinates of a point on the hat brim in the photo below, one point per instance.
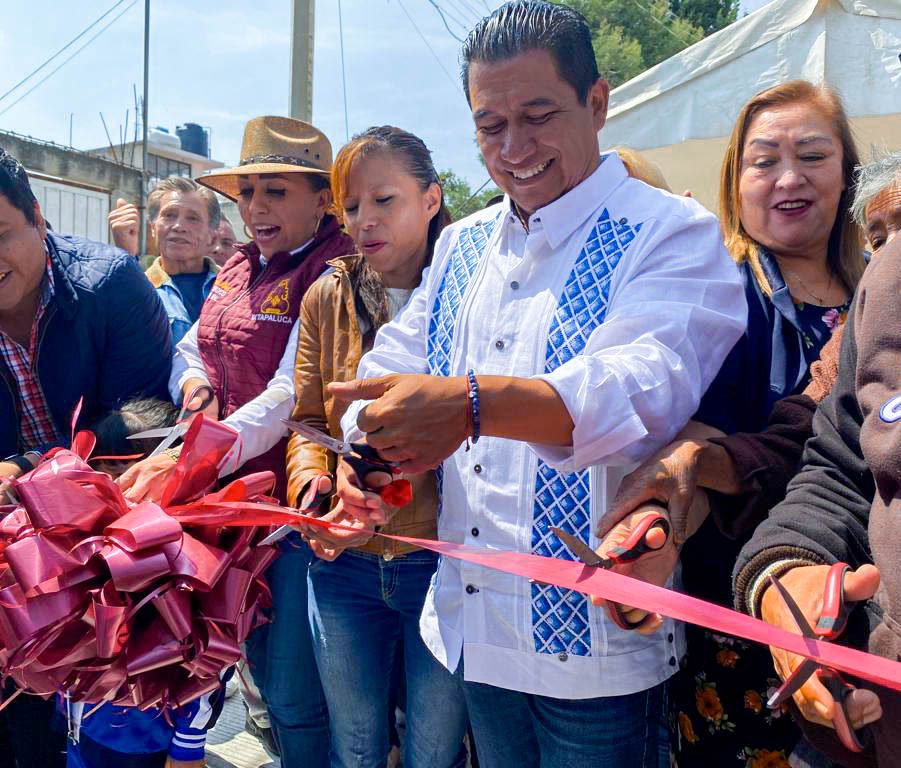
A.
x: 225, y: 180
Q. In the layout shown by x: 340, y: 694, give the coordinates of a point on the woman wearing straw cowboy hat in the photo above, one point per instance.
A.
x: 243, y: 347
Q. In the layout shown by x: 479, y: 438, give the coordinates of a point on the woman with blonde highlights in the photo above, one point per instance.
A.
x: 367, y: 593
x: 785, y: 208
x: 746, y: 232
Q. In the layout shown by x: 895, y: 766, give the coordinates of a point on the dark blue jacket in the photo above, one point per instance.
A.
x: 767, y: 363
x: 104, y: 337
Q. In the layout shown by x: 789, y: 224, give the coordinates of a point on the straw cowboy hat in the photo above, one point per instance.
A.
x: 274, y: 145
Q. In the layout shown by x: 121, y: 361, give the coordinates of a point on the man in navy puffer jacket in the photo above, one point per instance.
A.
x: 78, y: 320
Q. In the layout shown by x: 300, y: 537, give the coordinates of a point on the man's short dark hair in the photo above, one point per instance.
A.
x: 529, y: 25
x: 15, y: 187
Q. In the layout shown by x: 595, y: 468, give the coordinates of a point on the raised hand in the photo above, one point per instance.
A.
x: 125, y: 225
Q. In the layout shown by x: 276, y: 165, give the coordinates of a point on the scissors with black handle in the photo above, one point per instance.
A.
x: 628, y: 551
x: 362, y: 458
x: 831, y: 623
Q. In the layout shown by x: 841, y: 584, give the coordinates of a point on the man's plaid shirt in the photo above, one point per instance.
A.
x: 36, y: 426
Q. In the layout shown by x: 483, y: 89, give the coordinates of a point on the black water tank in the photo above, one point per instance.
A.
x: 194, y: 139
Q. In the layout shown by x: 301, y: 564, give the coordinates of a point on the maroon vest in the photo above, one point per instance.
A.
x: 246, y: 320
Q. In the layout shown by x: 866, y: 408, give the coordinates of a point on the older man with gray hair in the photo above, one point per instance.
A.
x: 184, y: 218
x: 877, y: 200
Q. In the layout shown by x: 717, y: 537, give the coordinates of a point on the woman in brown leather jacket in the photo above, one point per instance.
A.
x: 367, y: 592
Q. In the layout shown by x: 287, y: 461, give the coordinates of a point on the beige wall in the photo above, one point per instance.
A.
x: 695, y: 164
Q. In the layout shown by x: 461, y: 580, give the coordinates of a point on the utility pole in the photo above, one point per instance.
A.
x: 142, y: 240
x: 301, y: 81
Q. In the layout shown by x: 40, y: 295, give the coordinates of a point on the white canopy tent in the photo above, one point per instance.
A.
x: 681, y: 112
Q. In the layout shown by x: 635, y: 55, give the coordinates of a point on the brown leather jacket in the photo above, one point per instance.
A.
x: 329, y: 349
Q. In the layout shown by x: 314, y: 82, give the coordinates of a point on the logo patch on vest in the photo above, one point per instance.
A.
x: 276, y: 303
x: 275, y: 306
x: 219, y: 289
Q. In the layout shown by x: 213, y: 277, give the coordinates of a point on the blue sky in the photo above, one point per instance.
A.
x: 219, y: 62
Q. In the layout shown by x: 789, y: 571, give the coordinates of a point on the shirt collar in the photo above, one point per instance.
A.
x: 298, y: 249
x: 158, y: 276
x: 560, y: 218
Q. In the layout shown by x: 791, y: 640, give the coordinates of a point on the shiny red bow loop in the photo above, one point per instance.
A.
x: 138, y: 604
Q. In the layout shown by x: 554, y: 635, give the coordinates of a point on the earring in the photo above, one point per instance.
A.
x: 247, y: 233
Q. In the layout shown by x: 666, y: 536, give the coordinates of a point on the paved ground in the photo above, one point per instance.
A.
x: 230, y: 746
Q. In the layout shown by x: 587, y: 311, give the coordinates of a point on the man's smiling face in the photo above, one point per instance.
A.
x: 22, y: 258
x: 538, y: 140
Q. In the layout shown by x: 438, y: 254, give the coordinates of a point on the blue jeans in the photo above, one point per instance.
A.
x: 522, y: 730
x: 280, y: 657
x: 361, y: 607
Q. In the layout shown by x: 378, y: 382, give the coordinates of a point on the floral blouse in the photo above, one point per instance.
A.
x: 817, y: 325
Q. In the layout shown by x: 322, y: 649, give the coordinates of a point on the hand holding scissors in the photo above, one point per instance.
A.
x: 373, y: 474
x: 821, y: 694
x: 640, y: 546
x: 146, y: 480
x: 363, y: 459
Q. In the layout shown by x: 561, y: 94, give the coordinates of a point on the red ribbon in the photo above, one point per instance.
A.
x: 619, y: 588
x: 145, y: 604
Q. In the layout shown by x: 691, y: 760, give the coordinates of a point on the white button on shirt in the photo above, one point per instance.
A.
x: 623, y: 298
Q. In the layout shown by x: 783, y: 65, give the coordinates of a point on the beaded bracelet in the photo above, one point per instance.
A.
x: 472, y: 392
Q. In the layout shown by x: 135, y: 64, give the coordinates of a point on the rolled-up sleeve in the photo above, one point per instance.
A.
x: 676, y: 309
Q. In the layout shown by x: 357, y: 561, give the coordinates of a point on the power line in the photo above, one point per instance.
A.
x: 444, y: 21
x: 66, y: 46
x: 477, y: 12
x: 343, y: 76
x: 428, y: 45
x: 452, y: 15
x: 464, y: 12
x: 66, y: 61
x: 660, y: 24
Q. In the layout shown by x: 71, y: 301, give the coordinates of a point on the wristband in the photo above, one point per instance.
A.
x: 472, y: 392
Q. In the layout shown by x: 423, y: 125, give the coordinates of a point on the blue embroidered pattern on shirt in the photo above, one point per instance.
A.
x: 560, y: 616
x: 461, y: 265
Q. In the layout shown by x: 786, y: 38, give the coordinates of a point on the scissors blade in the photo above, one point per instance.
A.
x: 316, y: 436
x: 150, y: 433
x: 277, y: 535
x: 580, y: 549
x: 792, y: 683
x: 177, y: 431
x: 797, y: 615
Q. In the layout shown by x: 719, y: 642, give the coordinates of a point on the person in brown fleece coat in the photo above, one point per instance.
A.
x: 843, y: 507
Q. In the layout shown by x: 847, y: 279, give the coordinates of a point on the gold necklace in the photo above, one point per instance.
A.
x: 819, y: 299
